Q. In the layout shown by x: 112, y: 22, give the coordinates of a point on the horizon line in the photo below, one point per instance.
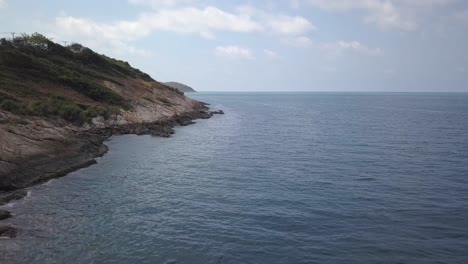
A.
x: 218, y: 91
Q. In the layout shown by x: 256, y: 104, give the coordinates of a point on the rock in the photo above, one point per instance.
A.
x: 218, y: 112
x: 205, y: 114
x: 8, y: 232
x: 45, y: 150
x: 4, y: 214
x: 4, y: 199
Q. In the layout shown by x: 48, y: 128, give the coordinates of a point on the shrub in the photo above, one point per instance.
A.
x: 70, y: 111
x: 9, y: 105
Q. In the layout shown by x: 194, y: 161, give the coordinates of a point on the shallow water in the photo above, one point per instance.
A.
x: 280, y: 178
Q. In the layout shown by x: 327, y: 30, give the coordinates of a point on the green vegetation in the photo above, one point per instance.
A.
x: 175, y: 90
x: 59, y: 107
x: 70, y: 111
x: 30, y: 64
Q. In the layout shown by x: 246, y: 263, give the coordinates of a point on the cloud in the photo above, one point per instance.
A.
x: 114, y: 37
x: 204, y: 22
x: 385, y: 14
x: 3, y: 3
x: 381, y: 13
x: 117, y: 35
x: 340, y: 47
x: 300, y: 41
x: 271, y: 54
x: 159, y: 3
x: 233, y: 52
x: 290, y: 25
x: 278, y: 23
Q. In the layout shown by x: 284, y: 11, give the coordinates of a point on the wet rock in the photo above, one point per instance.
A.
x: 13, y: 196
x: 205, y: 114
x: 8, y: 232
x: 218, y: 112
x: 57, y: 149
x: 185, y: 121
x: 4, y: 214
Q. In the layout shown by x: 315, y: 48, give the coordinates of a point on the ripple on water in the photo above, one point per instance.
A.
x: 291, y: 178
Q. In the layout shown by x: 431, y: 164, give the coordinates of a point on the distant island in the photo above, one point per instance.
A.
x: 58, y: 104
x: 181, y: 87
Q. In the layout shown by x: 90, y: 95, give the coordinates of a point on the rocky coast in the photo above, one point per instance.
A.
x: 63, y: 154
x: 58, y: 106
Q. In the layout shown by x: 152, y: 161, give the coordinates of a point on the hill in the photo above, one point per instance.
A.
x: 181, y: 87
x: 58, y: 104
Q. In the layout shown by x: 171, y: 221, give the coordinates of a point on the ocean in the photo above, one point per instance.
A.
x: 280, y: 178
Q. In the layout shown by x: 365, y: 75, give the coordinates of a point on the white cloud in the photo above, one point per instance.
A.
x: 117, y: 35
x: 122, y: 30
x: 425, y: 3
x: 234, y: 52
x: 278, y: 23
x: 3, y: 3
x: 114, y: 37
x: 300, y: 41
x: 203, y: 22
x: 339, y: 47
x: 271, y: 54
x: 290, y: 25
x: 159, y: 3
x: 386, y: 14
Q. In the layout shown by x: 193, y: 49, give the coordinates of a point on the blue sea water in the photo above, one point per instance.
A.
x: 280, y: 178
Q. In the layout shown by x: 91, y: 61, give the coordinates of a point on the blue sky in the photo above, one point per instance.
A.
x: 289, y: 45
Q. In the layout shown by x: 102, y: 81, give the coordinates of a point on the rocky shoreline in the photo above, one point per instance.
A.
x: 85, y: 148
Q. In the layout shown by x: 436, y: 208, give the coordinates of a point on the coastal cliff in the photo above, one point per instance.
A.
x: 59, y: 104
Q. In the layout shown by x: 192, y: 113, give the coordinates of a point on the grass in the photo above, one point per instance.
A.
x: 59, y: 107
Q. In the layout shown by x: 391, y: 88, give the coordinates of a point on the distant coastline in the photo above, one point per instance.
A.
x: 180, y: 87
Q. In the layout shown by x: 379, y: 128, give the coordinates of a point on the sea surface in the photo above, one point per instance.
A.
x: 280, y: 178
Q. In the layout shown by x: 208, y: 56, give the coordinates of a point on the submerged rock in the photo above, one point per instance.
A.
x: 4, y: 214
x: 218, y: 112
x: 4, y: 199
x: 8, y: 232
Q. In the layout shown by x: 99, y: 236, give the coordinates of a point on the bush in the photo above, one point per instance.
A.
x: 9, y: 105
x: 70, y: 111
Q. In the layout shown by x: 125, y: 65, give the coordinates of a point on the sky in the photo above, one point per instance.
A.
x: 265, y: 45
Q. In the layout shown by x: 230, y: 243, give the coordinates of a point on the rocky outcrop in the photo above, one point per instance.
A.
x: 218, y: 112
x: 55, y: 116
x: 40, y: 151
